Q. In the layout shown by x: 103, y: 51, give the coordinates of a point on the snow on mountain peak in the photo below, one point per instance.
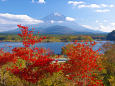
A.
x: 55, y: 17
x: 57, y: 14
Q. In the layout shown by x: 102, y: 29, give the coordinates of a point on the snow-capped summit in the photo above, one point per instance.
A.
x: 57, y: 14
x: 55, y: 17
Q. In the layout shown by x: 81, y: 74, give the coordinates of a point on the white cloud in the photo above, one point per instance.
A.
x: 113, y: 24
x: 96, y: 21
x: 103, y: 11
x: 52, y: 21
x: 87, y: 26
x: 103, y: 5
x: 17, y: 19
x: 75, y: 3
x: 10, y: 21
x: 60, y: 21
x: 106, y: 28
x: 101, y: 22
x: 41, y: 1
x: 33, y: 1
x: 111, y: 5
x: 89, y: 6
x: 82, y: 6
x: 102, y: 27
x: 105, y: 21
x: 96, y: 6
x: 91, y: 27
x: 70, y: 19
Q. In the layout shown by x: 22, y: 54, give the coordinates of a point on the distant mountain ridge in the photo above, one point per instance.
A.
x: 56, y: 23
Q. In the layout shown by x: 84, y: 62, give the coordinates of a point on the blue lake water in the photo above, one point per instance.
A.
x: 54, y: 46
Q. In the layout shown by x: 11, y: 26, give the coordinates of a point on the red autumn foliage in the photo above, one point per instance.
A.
x: 38, y: 63
x: 29, y: 73
x: 5, y: 57
x: 27, y: 36
x: 83, y: 64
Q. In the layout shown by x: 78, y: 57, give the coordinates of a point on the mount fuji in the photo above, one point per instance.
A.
x: 57, y: 23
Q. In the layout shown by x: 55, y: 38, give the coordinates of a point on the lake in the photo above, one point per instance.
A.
x: 54, y: 46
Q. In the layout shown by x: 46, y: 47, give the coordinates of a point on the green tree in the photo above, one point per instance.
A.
x: 111, y: 36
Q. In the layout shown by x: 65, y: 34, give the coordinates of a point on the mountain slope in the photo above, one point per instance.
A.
x: 57, y: 30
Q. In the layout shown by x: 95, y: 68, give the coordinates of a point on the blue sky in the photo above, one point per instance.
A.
x: 94, y: 14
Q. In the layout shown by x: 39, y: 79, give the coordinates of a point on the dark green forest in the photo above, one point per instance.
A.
x: 55, y: 38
